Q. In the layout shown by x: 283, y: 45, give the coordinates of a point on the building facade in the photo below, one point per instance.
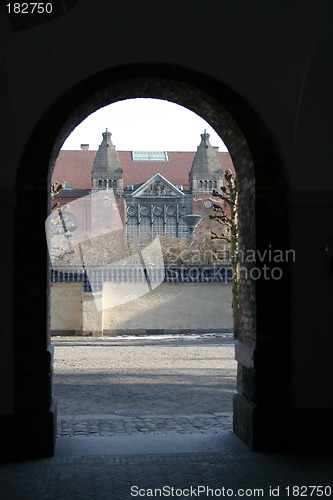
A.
x: 149, y: 205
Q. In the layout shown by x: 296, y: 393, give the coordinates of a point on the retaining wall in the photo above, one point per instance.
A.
x: 119, y: 309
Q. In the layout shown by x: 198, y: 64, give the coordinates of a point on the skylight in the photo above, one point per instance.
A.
x: 149, y: 156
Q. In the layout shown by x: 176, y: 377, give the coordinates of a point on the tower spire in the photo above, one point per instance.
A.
x: 206, y: 172
x: 107, y: 172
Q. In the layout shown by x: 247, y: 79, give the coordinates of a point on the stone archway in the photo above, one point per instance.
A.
x: 262, y: 352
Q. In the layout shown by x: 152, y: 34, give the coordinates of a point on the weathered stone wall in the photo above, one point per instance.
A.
x: 66, y: 307
x: 170, y: 308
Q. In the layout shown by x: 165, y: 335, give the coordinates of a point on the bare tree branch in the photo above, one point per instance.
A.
x: 227, y: 215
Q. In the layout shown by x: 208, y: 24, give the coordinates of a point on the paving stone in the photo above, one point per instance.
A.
x: 111, y: 477
x: 106, y: 477
x: 151, y: 425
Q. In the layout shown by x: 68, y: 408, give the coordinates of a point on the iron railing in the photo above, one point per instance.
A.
x: 93, y: 277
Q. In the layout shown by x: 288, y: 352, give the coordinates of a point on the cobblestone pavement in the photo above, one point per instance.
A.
x: 136, y: 415
x: 109, y: 425
x: 182, y: 476
x: 144, y: 384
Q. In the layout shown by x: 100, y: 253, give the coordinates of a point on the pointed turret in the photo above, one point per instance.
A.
x: 206, y: 172
x: 107, y: 172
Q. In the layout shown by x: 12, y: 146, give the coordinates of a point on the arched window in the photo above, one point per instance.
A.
x: 132, y: 228
x: 158, y: 225
x: 171, y: 226
x: 114, y: 184
x: 145, y: 230
x: 200, y: 184
x: 205, y: 184
x: 210, y: 184
x: 100, y: 183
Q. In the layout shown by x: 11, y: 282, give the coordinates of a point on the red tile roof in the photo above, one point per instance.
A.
x: 74, y: 167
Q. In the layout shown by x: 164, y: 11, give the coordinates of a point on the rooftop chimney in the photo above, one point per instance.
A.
x: 84, y: 147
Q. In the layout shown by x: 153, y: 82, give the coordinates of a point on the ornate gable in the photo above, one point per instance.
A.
x: 156, y: 187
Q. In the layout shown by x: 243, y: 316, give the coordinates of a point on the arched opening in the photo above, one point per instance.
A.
x: 263, y: 351
x: 193, y: 301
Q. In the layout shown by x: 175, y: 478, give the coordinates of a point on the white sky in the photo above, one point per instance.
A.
x: 143, y: 124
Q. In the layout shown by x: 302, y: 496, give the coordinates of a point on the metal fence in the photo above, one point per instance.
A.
x: 93, y: 277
